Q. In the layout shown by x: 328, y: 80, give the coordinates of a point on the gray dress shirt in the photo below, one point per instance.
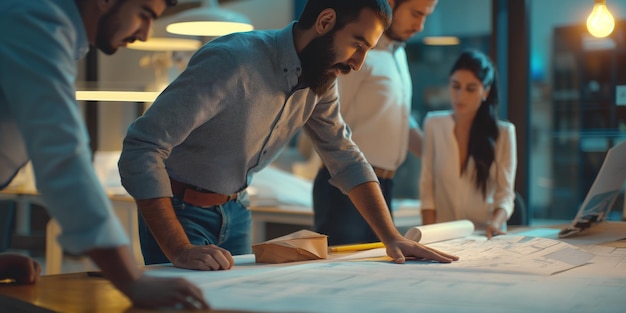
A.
x: 229, y: 115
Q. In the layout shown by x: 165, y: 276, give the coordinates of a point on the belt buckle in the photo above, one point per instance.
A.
x: 231, y: 197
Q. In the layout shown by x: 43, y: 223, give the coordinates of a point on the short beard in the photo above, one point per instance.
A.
x: 107, y: 27
x: 317, y: 59
x: 393, y: 36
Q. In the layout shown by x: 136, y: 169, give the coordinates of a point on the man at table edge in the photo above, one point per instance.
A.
x: 193, y: 143
x: 41, y: 121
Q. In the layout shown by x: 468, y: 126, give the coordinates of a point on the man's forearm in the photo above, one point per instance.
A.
x: 368, y: 199
x: 164, y: 225
x: 117, y: 265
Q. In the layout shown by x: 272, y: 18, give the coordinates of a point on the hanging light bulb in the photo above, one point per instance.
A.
x: 600, y: 22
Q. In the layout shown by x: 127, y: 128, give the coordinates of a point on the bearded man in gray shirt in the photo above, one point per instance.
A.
x: 189, y: 159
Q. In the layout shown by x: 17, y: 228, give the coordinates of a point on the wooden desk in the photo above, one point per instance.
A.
x: 64, y: 293
x: 68, y: 293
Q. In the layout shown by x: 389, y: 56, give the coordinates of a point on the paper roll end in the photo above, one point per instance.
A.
x: 413, y: 234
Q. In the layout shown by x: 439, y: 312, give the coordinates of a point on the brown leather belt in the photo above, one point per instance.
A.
x: 383, y: 173
x: 197, y: 196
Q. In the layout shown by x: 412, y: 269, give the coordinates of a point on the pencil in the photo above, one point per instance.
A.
x: 357, y: 247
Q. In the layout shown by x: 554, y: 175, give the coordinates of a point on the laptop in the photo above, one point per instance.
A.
x: 603, y: 193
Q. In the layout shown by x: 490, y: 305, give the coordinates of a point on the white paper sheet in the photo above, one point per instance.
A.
x: 503, y: 254
x: 380, y: 286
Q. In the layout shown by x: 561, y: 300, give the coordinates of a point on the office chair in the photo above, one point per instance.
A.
x: 520, y: 211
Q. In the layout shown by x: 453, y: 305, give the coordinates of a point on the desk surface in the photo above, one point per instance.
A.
x: 69, y: 293
x: 370, y: 286
x: 64, y: 293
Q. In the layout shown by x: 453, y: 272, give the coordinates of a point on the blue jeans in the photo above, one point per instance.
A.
x: 336, y: 216
x: 227, y: 226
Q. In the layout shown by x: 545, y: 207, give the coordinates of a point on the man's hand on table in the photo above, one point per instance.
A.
x: 403, y: 248
x: 205, y: 258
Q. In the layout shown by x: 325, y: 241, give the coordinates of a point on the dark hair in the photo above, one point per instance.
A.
x: 347, y: 11
x: 484, y: 130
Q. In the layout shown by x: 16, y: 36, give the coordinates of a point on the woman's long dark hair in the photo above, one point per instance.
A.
x: 484, y: 130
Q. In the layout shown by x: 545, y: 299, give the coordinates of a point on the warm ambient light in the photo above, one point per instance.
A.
x: 208, y: 28
x: 166, y: 44
x: 600, y: 22
x: 441, y: 41
x: 208, y: 20
x: 127, y: 96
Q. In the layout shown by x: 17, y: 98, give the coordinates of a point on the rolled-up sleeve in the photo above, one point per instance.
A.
x: 331, y: 137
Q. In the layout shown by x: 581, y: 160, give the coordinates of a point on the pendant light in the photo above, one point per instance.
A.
x: 208, y: 20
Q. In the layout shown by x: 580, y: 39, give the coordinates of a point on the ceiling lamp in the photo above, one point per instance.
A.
x: 116, y: 95
x: 208, y: 20
x: 600, y: 22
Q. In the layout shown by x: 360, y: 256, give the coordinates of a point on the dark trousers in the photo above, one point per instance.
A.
x: 337, y: 217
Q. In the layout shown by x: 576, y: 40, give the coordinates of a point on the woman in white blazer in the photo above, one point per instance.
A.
x: 469, y: 155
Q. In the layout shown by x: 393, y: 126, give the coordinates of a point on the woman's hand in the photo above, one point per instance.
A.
x: 494, y: 226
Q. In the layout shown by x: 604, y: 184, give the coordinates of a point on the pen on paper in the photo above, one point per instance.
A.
x: 357, y: 247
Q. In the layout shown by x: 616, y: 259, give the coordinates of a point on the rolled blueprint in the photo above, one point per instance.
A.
x: 440, y: 231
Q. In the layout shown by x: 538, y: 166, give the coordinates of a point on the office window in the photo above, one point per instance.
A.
x: 574, y: 118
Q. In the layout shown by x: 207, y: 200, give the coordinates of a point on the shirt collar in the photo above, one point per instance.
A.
x: 386, y: 43
x: 82, y: 43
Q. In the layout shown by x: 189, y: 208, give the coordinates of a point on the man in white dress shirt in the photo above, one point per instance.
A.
x: 376, y: 104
